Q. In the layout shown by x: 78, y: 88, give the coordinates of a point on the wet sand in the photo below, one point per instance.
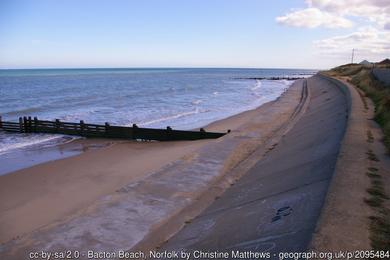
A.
x: 21, y: 159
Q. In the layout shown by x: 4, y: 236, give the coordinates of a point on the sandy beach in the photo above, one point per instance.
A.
x: 41, y: 198
x: 38, y: 195
x: 41, y: 194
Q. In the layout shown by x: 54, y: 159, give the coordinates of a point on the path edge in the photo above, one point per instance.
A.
x: 343, y: 223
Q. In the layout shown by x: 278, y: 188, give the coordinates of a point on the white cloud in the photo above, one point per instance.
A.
x: 357, y: 7
x: 369, y: 42
x: 313, y: 17
x: 377, y: 11
x: 372, y: 38
x: 336, y: 14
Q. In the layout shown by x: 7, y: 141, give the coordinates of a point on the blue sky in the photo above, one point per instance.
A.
x: 175, y: 33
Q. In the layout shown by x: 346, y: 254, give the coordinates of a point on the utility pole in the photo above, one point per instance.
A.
x: 353, y: 52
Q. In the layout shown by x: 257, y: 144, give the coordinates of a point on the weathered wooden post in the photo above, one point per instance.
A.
x: 21, y: 124
x: 135, y: 132
x: 35, y: 124
x: 82, y: 127
x: 57, y: 123
x: 106, y: 128
x: 169, y: 133
x: 29, y: 124
x: 202, y: 133
x: 25, y: 124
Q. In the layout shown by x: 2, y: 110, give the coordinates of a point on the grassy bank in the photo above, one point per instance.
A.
x: 363, y: 77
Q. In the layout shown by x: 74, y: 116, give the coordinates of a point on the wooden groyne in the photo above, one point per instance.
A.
x: 34, y: 125
x: 273, y: 78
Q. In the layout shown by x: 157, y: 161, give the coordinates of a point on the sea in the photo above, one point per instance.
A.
x: 182, y: 98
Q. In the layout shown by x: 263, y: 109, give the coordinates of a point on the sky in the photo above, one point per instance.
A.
x: 313, y: 34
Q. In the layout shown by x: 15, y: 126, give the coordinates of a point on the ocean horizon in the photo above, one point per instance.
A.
x: 183, y: 98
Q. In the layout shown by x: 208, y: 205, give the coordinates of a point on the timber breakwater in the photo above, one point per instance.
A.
x: 34, y: 125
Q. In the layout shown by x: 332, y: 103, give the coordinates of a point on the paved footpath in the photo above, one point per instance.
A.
x: 276, y: 205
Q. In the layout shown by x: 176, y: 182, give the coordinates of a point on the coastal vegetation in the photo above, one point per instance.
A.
x: 362, y: 76
x: 373, y: 81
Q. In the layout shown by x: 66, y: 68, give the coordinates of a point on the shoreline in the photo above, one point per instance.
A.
x: 69, y: 159
x: 30, y: 156
x: 71, y: 184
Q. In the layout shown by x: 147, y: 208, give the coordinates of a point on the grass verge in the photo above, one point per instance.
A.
x: 363, y: 77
